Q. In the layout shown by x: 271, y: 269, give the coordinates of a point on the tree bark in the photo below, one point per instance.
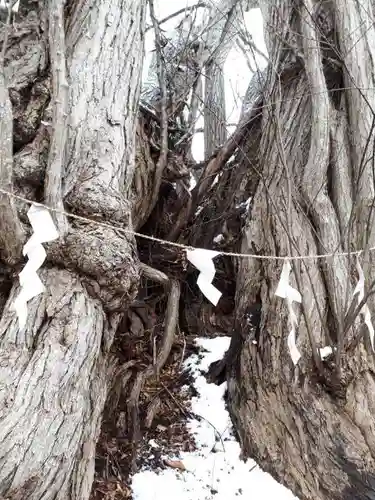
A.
x: 311, y: 426
x: 54, y: 372
x: 225, y: 29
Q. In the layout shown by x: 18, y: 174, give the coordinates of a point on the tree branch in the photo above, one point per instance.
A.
x: 217, y: 161
x: 56, y: 158
x: 245, y: 38
x: 314, y: 180
x: 162, y: 160
x: 11, y: 231
x: 184, y: 10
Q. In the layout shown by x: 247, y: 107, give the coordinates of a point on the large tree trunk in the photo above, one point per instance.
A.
x: 312, y: 426
x: 54, y: 371
x: 226, y: 29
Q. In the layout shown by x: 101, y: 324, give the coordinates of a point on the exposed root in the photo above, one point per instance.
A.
x: 171, y: 320
x: 133, y: 408
x: 152, y: 410
x: 121, y: 377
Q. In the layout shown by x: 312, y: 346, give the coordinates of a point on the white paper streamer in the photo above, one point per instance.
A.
x: 31, y: 286
x: 360, y: 290
x: 202, y: 260
x: 285, y: 291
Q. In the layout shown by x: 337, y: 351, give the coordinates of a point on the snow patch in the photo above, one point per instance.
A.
x: 198, y: 210
x: 325, y: 351
x: 193, y: 182
x: 214, y: 470
x: 5, y: 5
x: 245, y: 204
x: 219, y: 238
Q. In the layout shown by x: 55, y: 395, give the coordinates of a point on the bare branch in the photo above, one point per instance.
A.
x: 245, y: 38
x: 223, y: 155
x: 184, y: 10
x: 56, y: 159
x: 162, y: 161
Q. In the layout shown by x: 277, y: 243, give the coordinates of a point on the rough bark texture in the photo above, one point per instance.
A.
x: 311, y: 426
x: 215, y: 128
x: 54, y: 372
x: 303, y: 160
x: 300, y: 182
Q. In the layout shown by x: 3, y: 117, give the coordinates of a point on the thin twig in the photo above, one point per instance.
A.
x: 181, y: 11
x: 187, y: 414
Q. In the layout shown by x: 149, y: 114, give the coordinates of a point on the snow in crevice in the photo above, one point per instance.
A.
x: 219, y: 238
x: 214, y: 470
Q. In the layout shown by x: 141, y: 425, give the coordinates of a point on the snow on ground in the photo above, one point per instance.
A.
x: 214, y: 470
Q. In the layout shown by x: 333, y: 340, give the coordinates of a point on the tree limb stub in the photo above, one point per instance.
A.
x: 56, y: 159
x: 154, y: 274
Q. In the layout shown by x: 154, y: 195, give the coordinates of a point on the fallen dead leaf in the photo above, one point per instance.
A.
x: 175, y: 464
